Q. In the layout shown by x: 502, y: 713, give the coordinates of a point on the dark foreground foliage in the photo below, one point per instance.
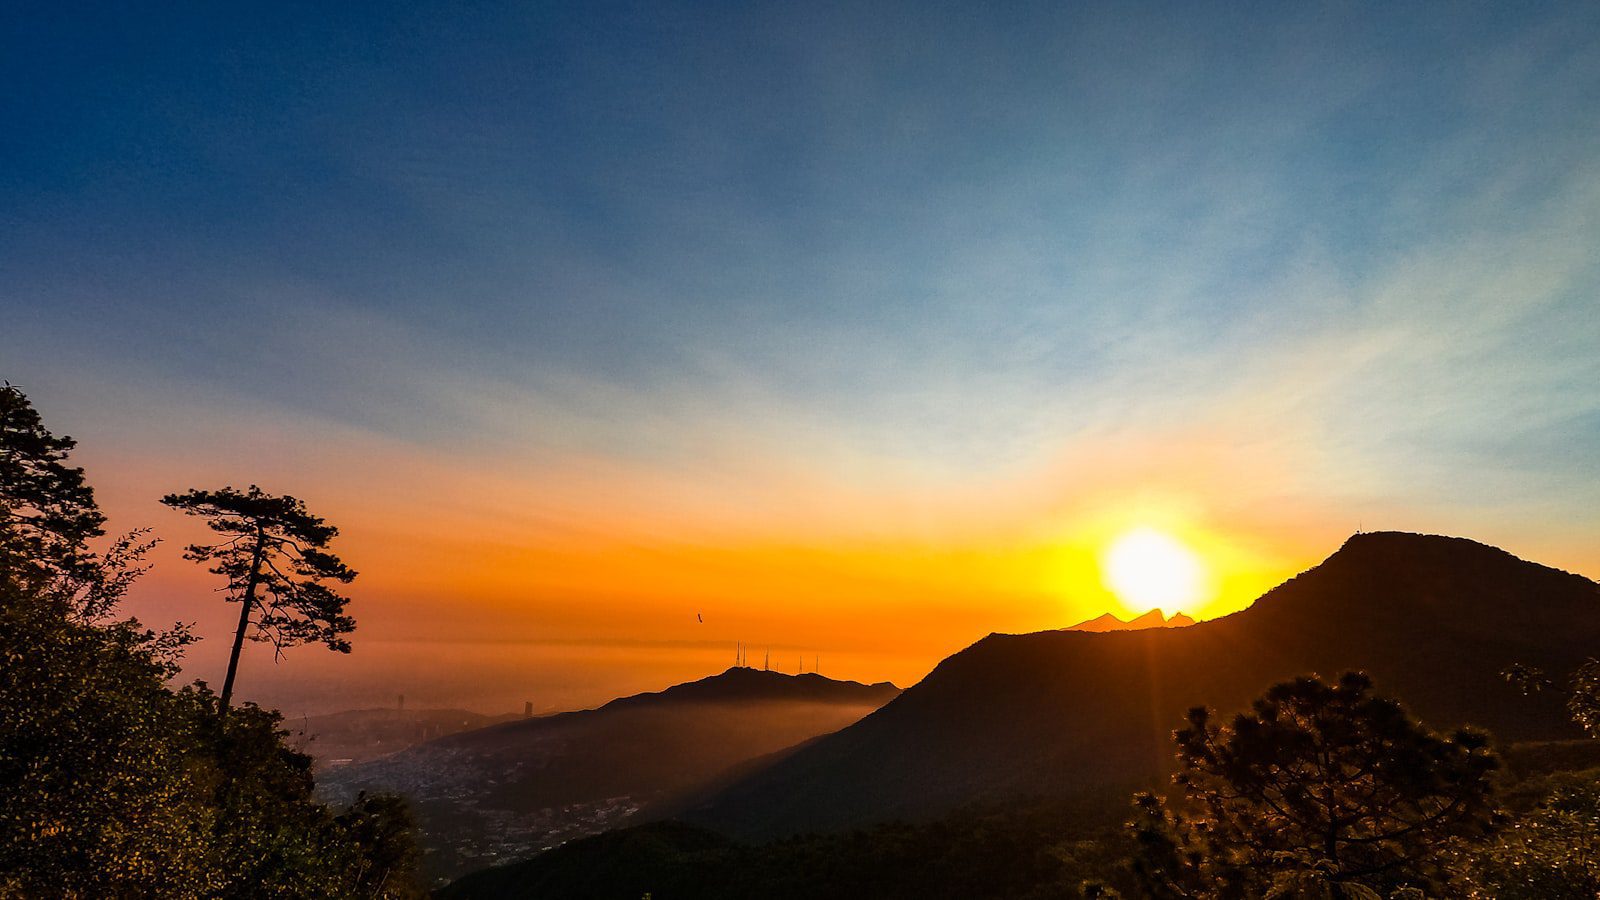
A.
x: 1227, y: 839
x: 1550, y: 851
x: 1030, y: 853
x: 1320, y: 789
x: 113, y: 784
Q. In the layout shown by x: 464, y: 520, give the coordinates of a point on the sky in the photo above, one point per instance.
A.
x: 611, y: 334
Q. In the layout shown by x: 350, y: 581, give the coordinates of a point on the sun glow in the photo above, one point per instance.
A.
x: 1149, y: 569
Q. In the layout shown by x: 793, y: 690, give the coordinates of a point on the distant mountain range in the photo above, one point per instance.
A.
x: 358, y: 735
x: 1151, y: 619
x: 1433, y: 619
x: 507, y: 791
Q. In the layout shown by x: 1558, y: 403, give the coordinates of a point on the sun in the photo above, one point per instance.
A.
x: 1149, y: 569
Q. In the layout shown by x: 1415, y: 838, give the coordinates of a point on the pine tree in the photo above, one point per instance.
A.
x: 112, y: 784
x: 48, y: 515
x: 1320, y: 790
x: 277, y: 566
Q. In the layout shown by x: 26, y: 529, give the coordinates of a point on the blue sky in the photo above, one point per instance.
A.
x: 881, y: 247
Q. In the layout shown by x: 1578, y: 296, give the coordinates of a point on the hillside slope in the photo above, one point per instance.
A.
x: 512, y: 789
x: 1433, y: 619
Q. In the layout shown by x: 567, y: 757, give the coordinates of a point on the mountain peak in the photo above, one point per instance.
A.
x: 1422, y: 549
x: 738, y: 683
x: 1434, y: 621
x: 578, y: 772
x: 1152, y: 619
x: 1396, y: 580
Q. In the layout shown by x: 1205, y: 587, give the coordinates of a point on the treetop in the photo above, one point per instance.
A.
x: 232, y: 511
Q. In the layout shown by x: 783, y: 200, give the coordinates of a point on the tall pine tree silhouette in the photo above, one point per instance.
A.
x: 48, y: 513
x: 275, y: 558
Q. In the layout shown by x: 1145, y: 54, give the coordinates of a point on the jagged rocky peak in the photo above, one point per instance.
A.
x: 1151, y: 619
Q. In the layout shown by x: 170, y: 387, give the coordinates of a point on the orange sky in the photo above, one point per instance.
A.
x: 489, y: 580
x: 859, y: 332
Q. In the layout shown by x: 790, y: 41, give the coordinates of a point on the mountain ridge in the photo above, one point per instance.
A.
x: 514, y: 788
x: 1434, y: 619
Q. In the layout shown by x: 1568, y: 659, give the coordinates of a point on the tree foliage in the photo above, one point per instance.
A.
x: 1320, y: 790
x: 1584, y: 704
x: 1551, y: 852
x: 50, y: 512
x: 112, y: 784
x: 98, y: 796
x: 277, y: 839
x: 1583, y: 690
x: 48, y: 517
x: 274, y: 556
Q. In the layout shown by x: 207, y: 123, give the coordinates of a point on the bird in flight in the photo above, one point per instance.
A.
x: 697, y: 618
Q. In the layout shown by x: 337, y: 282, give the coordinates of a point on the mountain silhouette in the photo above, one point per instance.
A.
x: 1433, y: 619
x: 1151, y: 619
x: 511, y: 789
